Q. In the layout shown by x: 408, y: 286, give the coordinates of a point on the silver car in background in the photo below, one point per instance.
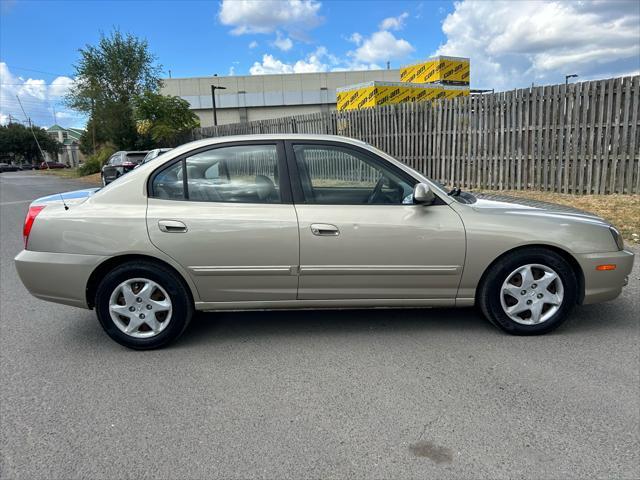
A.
x: 308, y: 221
x: 153, y: 154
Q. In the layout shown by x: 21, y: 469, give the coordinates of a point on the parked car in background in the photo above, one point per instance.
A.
x: 120, y: 163
x: 6, y: 167
x: 308, y: 221
x: 47, y: 165
x: 153, y: 154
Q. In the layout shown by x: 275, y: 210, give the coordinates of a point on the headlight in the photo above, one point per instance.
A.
x: 617, y: 237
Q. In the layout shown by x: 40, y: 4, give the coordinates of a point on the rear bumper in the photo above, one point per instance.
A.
x: 600, y: 286
x: 57, y: 277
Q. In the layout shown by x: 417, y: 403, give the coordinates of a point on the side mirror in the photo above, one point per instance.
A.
x: 422, y: 194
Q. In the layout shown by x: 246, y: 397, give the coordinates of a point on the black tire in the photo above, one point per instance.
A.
x: 181, y: 303
x: 490, y: 290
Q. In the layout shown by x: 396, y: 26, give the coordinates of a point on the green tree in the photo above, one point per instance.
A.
x: 17, y: 142
x: 166, y: 120
x: 108, y: 77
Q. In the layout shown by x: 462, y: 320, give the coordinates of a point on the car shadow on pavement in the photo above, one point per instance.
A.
x: 222, y: 326
x: 217, y: 327
x: 229, y: 325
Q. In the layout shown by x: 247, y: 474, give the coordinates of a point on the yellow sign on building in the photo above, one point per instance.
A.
x: 371, y: 94
x: 448, y: 70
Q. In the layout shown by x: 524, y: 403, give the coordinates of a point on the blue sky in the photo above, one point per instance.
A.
x: 187, y: 36
x: 511, y: 44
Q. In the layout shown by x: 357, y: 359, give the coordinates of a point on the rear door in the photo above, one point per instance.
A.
x: 225, y: 213
x: 361, y: 236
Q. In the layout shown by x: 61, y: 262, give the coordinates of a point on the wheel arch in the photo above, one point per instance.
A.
x: 105, y: 267
x: 571, y: 260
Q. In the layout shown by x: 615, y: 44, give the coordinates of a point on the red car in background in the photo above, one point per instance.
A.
x: 47, y: 165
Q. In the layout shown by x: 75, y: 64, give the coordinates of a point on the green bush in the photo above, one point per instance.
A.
x: 94, y: 163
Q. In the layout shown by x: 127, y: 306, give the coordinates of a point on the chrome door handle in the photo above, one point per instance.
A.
x: 324, y: 230
x: 171, y: 226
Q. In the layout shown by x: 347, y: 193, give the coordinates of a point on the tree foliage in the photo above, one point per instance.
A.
x: 108, y: 77
x: 165, y: 119
x: 17, y: 141
x: 94, y: 162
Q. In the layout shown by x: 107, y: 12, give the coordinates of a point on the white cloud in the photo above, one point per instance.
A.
x: 270, y: 65
x: 283, y: 43
x: 512, y: 44
x: 253, y: 44
x: 355, y: 38
x: 60, y: 86
x: 394, y: 23
x: 318, y: 61
x: 267, y: 16
x: 381, y: 46
x: 38, y: 98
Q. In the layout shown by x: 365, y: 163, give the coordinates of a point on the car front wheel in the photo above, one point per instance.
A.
x: 142, y: 305
x: 529, y: 292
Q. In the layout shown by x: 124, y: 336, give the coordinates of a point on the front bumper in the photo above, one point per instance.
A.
x: 600, y: 286
x: 57, y: 277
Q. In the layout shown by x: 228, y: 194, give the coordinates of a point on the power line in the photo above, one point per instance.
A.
x: 13, y: 67
x: 29, y: 102
x: 35, y: 102
x: 25, y: 84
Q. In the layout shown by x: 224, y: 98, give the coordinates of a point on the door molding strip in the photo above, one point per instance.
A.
x: 205, y: 270
x: 380, y: 269
x: 201, y: 270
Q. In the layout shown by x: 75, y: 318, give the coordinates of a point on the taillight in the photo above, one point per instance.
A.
x: 28, y: 222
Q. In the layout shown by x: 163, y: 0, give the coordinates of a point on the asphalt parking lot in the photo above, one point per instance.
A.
x: 336, y: 394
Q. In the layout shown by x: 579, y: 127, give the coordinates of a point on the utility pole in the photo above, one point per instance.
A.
x: 213, y: 102
x: 44, y: 159
x: 93, y: 124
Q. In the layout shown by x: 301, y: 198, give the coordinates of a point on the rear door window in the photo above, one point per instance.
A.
x: 234, y: 174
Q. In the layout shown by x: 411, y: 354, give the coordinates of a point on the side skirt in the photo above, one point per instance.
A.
x: 331, y: 304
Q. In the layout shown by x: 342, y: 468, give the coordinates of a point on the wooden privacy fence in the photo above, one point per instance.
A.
x: 579, y: 138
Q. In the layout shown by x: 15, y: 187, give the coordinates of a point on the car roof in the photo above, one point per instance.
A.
x: 263, y: 136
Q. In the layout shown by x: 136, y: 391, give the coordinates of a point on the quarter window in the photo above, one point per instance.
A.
x: 168, y: 184
x: 337, y: 175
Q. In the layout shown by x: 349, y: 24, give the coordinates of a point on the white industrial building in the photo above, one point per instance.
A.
x: 262, y: 97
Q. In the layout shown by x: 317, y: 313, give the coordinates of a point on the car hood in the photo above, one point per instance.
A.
x: 522, y: 206
x: 70, y: 198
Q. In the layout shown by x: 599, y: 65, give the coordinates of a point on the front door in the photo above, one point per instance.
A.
x: 361, y: 236
x: 225, y: 214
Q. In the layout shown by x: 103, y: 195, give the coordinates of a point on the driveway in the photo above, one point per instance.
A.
x: 335, y: 394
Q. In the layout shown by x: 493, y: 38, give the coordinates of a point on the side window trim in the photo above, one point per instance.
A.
x: 295, y: 175
x: 286, y: 196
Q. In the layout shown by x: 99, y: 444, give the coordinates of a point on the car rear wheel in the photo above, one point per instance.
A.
x: 142, y: 305
x: 529, y: 292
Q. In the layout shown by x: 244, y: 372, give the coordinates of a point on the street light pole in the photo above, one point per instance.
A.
x: 213, y: 102
x: 567, y: 77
